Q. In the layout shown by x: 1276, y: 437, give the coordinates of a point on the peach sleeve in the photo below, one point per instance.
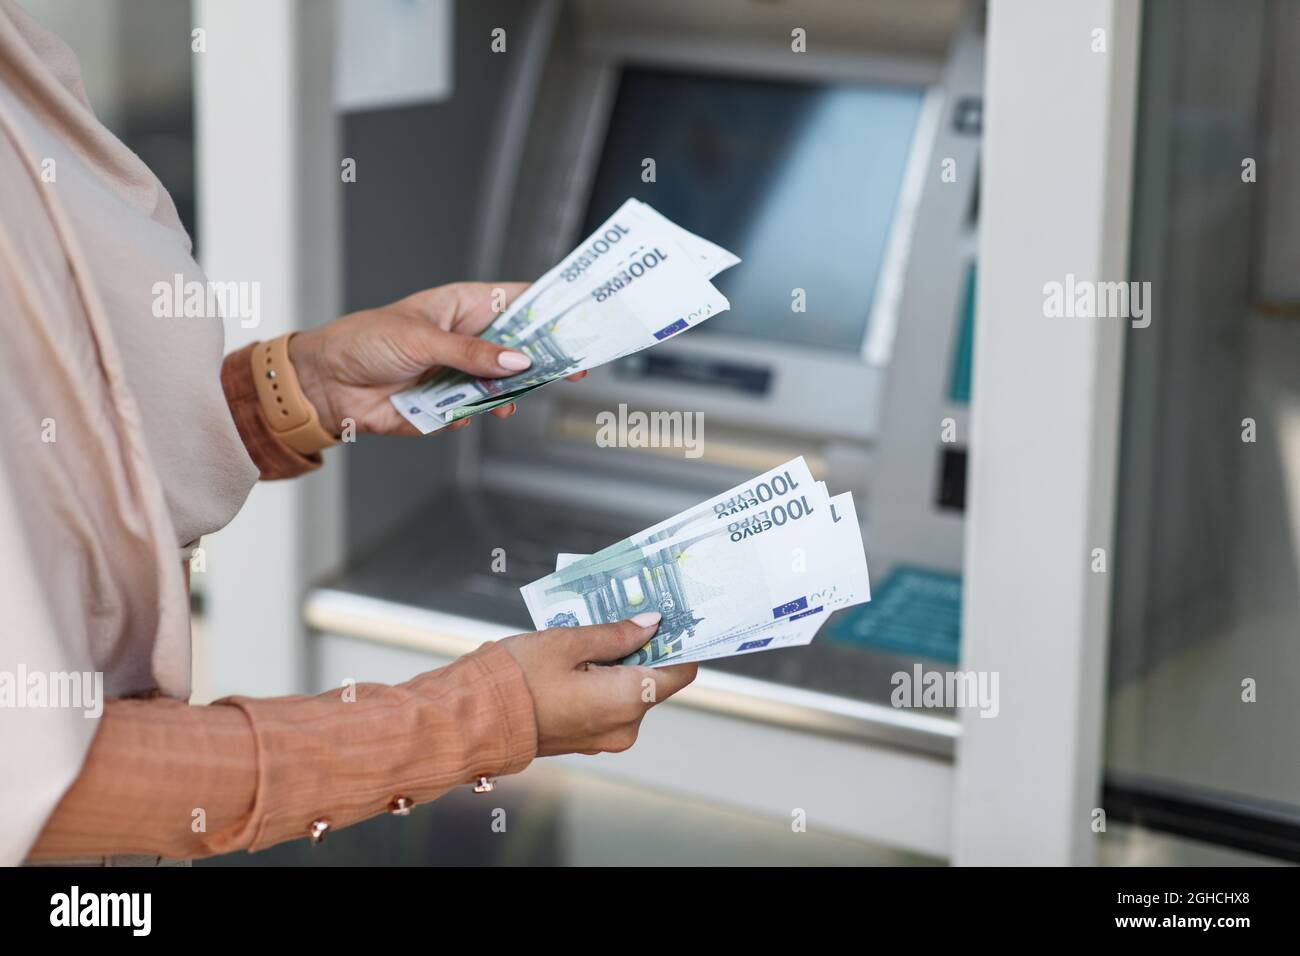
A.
x: 169, y: 779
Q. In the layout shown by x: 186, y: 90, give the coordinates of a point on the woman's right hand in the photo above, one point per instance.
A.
x: 589, y: 709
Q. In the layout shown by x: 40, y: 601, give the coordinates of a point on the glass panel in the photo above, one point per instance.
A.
x: 1205, y: 661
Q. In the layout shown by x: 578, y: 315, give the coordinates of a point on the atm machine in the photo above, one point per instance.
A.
x: 845, y: 177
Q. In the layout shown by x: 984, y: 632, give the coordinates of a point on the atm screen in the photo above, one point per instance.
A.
x: 800, y: 180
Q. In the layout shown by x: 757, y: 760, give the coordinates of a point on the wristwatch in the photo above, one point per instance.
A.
x: 288, y: 411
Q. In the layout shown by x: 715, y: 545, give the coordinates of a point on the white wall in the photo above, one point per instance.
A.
x: 268, y: 188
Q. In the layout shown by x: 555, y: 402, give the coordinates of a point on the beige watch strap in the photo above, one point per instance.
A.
x: 288, y: 411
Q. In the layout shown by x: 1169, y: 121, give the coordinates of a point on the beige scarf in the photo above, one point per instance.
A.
x: 90, y: 577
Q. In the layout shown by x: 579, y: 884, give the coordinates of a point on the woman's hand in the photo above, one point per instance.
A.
x: 350, y: 367
x: 588, y: 709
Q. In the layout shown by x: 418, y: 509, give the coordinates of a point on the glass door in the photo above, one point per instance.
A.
x: 1203, y: 723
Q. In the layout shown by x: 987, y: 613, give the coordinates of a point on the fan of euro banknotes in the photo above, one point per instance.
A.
x: 637, y: 280
x: 758, y: 567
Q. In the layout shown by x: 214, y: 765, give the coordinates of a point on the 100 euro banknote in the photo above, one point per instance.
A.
x: 851, y: 585
x: 726, y: 568
x: 637, y: 280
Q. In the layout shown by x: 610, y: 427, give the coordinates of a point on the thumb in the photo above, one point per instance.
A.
x: 470, y: 354
x: 610, y: 643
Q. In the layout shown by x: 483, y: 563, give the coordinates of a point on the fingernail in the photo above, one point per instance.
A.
x: 647, y: 619
x: 514, y: 361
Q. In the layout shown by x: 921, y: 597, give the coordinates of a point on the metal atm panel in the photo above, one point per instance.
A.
x: 537, y: 484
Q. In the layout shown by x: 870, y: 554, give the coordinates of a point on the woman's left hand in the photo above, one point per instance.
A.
x: 350, y: 367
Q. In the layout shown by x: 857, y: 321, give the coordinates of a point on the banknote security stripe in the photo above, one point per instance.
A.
x: 668, y: 330
x: 808, y: 613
